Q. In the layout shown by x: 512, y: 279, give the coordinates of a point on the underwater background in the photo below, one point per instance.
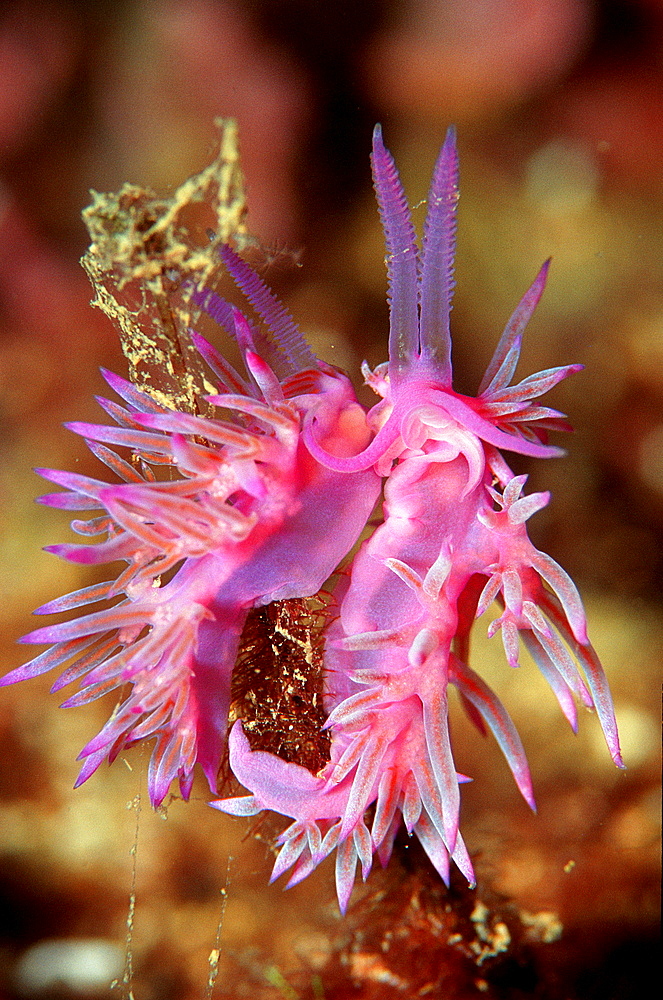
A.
x: 559, y: 110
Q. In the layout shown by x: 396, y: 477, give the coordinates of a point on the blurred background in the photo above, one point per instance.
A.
x: 559, y: 108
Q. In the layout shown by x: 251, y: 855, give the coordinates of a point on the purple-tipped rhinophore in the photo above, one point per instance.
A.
x: 452, y: 542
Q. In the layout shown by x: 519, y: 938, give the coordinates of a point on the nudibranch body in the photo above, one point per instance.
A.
x: 452, y: 541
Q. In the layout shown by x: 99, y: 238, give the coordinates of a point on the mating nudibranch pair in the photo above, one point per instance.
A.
x: 268, y: 506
